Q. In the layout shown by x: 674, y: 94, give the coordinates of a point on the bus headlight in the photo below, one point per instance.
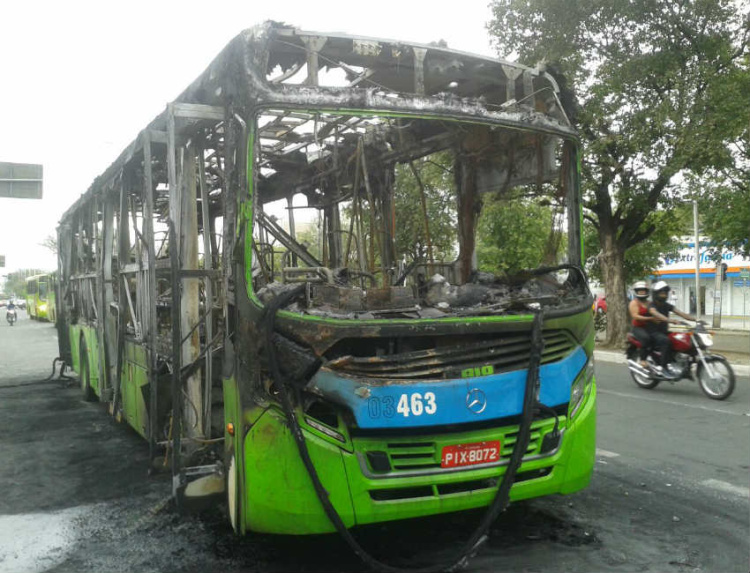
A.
x: 43, y: 307
x: 581, y: 387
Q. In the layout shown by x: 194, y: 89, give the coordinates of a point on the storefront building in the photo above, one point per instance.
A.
x: 679, y: 272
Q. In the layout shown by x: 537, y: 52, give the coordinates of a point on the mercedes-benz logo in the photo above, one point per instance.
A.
x: 476, y: 401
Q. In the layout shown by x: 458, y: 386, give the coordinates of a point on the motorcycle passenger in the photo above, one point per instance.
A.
x: 660, y: 307
x: 641, y: 315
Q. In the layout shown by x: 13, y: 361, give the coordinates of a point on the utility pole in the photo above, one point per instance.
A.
x: 697, y: 261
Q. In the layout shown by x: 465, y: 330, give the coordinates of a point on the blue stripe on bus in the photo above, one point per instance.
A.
x: 424, y: 403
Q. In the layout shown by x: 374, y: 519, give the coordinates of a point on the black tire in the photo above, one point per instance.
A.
x: 86, y: 390
x: 722, y: 385
x: 643, y: 381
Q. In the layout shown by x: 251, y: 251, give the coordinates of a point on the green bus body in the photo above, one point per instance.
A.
x: 170, y: 261
x: 40, y: 297
x: 270, y: 458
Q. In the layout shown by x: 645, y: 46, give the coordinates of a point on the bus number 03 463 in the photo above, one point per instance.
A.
x: 406, y: 405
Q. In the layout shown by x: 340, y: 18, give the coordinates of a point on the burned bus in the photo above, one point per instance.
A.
x: 339, y: 281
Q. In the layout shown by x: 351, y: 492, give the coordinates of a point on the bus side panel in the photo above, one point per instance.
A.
x: 31, y: 306
x: 75, y: 337
x: 92, y: 345
x: 134, y: 378
x: 280, y: 495
x: 582, y: 458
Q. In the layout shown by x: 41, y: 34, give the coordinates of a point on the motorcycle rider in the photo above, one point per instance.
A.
x: 661, y: 307
x: 642, y: 315
x: 11, y: 308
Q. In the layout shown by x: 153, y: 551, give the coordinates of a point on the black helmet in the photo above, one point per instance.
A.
x: 641, y: 290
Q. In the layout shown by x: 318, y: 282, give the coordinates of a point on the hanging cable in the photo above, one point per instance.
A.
x: 502, y: 498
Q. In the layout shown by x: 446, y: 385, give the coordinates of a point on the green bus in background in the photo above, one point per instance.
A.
x: 257, y: 284
x: 40, y: 297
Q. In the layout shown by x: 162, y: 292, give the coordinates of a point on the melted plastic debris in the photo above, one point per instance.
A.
x: 486, y: 294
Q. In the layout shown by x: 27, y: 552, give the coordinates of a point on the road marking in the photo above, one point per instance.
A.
x: 727, y: 487
x: 670, y: 402
x: 606, y: 454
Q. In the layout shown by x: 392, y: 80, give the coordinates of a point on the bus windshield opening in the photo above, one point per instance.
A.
x: 407, y: 217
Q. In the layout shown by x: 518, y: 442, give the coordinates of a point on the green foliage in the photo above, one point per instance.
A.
x: 658, y: 86
x: 436, y: 175
x: 514, y: 235
x: 660, y: 90
x: 725, y: 215
x: 642, y: 259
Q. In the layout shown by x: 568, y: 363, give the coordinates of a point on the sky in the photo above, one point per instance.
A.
x: 79, y: 80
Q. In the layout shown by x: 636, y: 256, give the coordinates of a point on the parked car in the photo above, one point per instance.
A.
x: 600, y: 304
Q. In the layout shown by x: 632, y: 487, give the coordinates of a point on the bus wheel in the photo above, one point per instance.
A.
x: 86, y: 390
x: 233, y: 496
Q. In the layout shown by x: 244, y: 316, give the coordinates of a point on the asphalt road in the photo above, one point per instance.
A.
x: 670, y: 491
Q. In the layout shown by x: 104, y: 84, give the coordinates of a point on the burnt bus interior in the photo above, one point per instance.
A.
x: 346, y: 202
x: 379, y: 214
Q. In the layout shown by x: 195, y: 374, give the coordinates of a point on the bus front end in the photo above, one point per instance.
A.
x: 409, y: 425
x: 405, y: 226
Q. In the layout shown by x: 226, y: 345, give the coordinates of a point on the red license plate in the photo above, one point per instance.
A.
x: 470, y: 454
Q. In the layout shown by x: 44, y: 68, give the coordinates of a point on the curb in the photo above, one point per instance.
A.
x: 619, y: 358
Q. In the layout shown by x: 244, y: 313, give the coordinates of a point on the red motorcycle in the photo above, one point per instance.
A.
x: 691, y: 347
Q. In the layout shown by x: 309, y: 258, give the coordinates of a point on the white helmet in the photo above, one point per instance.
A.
x: 641, y: 290
x: 660, y: 290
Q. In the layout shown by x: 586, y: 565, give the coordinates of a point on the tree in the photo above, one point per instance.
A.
x: 726, y: 215
x: 513, y: 235
x: 725, y: 201
x: 434, y: 175
x: 649, y: 76
x: 51, y: 243
x: 644, y: 258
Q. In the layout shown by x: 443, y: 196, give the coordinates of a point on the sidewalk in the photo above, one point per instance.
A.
x: 739, y: 323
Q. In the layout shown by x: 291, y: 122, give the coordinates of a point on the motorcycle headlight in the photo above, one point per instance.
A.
x: 706, y: 338
x: 581, y: 388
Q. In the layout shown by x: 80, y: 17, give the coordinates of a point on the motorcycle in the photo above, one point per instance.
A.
x: 11, y: 316
x: 692, y: 347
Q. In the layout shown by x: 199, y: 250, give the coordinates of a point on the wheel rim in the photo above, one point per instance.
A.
x: 718, y: 384
x: 640, y: 379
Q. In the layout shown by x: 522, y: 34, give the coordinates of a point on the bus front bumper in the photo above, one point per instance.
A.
x: 278, y: 495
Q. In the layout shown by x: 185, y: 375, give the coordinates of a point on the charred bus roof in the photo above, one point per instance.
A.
x: 275, y: 63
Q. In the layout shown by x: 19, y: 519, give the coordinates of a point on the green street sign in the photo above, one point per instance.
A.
x: 21, y: 180
x: 745, y: 273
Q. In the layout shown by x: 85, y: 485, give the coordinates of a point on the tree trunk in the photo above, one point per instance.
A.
x: 611, y: 260
x: 469, y: 207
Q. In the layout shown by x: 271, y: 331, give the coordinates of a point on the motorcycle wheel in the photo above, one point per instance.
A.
x: 644, y: 381
x: 721, y: 386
